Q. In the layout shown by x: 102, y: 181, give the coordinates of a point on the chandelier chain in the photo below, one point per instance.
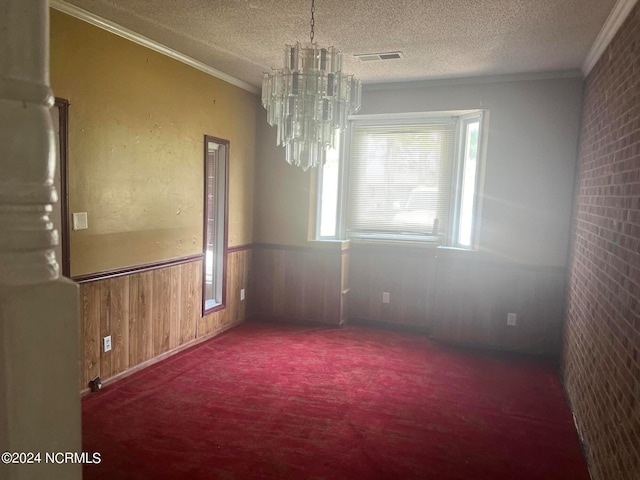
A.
x: 313, y: 20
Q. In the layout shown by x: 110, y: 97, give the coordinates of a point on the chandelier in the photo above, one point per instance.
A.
x: 309, y: 100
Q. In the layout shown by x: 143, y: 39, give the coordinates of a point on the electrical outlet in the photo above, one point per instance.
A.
x: 511, y: 319
x: 241, y: 294
x: 386, y: 297
x: 106, y: 343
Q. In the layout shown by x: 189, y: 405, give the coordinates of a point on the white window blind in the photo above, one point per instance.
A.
x: 400, y: 180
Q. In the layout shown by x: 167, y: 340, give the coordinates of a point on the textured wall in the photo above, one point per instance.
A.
x: 530, y: 163
x: 137, y: 120
x: 602, y: 339
x: 282, y: 197
x: 529, y: 174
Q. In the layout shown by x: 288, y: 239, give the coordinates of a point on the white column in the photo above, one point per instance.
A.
x: 39, y: 312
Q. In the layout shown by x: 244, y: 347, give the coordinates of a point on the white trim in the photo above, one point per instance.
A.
x: 466, y: 80
x: 124, y: 32
x: 408, y: 116
x: 616, y: 18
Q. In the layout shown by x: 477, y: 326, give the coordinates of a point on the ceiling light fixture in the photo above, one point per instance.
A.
x: 309, y: 100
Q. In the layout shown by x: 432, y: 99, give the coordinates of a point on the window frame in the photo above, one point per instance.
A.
x: 458, y: 179
x: 461, y: 119
x: 341, y: 201
x: 62, y: 105
x: 220, y: 227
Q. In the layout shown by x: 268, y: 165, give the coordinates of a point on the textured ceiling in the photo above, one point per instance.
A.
x: 439, y: 38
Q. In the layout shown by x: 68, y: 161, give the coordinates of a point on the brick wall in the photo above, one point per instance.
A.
x: 601, y: 359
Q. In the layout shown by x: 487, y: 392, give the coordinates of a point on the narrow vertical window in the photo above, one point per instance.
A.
x: 470, y: 141
x: 216, y: 162
x: 329, y: 197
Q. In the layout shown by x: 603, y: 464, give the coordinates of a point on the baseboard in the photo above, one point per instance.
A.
x: 422, y: 329
x: 163, y: 356
x: 271, y: 318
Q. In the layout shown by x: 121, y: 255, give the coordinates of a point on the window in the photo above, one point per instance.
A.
x: 467, y: 181
x: 329, y: 194
x: 216, y: 161
x: 410, y: 177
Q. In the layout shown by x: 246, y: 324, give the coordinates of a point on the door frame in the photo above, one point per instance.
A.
x: 63, y: 194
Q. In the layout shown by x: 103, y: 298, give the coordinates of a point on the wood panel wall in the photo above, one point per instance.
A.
x: 407, y: 275
x: 473, y: 298
x: 459, y: 299
x: 151, y: 314
x: 300, y: 283
x: 236, y: 311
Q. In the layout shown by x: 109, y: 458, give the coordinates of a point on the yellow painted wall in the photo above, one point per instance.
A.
x: 136, y: 125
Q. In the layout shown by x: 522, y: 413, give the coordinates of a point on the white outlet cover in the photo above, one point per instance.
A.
x: 106, y: 343
x: 242, y: 294
x: 511, y: 319
x: 80, y: 221
x: 386, y: 297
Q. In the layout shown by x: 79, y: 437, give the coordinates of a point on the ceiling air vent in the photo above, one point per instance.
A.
x: 374, y: 57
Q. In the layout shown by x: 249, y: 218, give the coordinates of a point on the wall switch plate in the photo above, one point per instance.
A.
x: 511, y: 319
x: 106, y: 343
x: 241, y: 294
x: 386, y: 297
x: 80, y: 221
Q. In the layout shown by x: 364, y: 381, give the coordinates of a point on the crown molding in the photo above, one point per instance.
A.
x: 616, y: 18
x: 463, y: 80
x: 124, y: 32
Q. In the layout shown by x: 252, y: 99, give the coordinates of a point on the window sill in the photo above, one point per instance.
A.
x: 425, y: 248
x: 455, y: 249
x: 388, y: 242
x: 328, y: 240
x: 211, y: 307
x: 330, y: 243
x: 405, y: 245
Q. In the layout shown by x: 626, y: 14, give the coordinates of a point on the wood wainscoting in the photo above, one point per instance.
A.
x: 236, y: 311
x: 458, y: 298
x: 152, y: 313
x: 297, y: 283
x: 407, y: 274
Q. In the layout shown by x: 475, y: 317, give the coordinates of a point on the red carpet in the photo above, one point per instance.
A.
x: 266, y: 401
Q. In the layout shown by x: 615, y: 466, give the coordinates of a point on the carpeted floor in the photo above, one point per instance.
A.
x: 267, y: 401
